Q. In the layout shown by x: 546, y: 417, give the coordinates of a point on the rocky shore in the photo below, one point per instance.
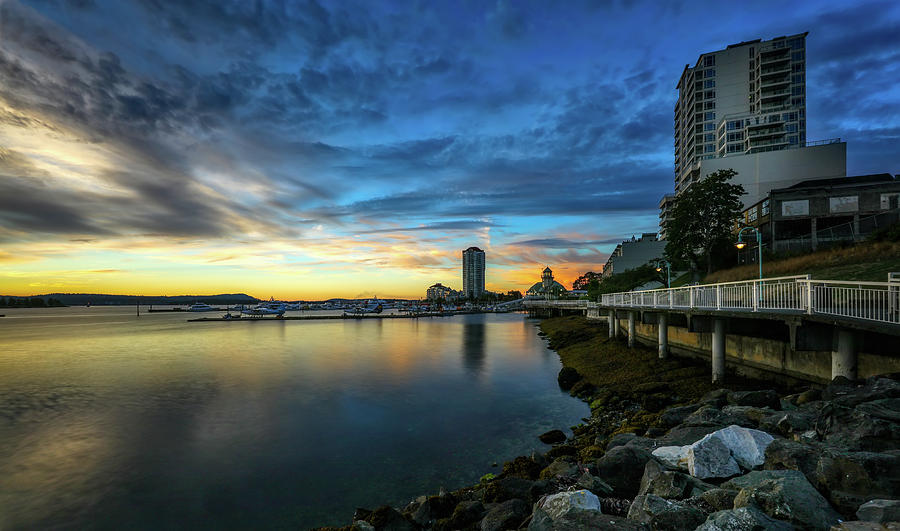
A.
x: 664, y: 450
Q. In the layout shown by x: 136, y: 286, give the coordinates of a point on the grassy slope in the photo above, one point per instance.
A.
x: 864, y: 261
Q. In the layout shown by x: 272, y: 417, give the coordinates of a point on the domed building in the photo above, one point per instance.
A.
x: 547, y: 287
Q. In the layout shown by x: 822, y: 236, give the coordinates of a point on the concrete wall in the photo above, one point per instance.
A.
x: 761, y: 172
x: 759, y: 358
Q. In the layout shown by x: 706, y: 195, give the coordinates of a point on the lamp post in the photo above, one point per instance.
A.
x: 659, y: 266
x: 741, y: 244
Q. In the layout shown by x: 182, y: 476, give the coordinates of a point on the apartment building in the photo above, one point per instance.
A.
x: 744, y: 108
x: 473, y: 272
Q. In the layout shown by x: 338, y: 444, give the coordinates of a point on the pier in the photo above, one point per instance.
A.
x: 787, y: 327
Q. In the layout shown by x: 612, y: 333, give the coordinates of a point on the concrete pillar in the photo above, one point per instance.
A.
x: 630, y: 329
x: 856, y: 235
x: 843, y: 360
x: 611, y: 317
x: 615, y: 324
x: 718, y: 351
x: 663, y: 336
x: 814, y: 234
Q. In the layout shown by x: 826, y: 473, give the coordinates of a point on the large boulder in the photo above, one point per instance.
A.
x: 850, y: 479
x: 465, y: 514
x: 430, y: 508
x: 622, y: 467
x: 567, y: 378
x: 880, y: 511
x: 868, y: 426
x: 669, y: 484
x: 662, y: 514
x: 570, y: 510
x: 748, y: 446
x: 386, y: 518
x: 594, y: 484
x: 785, y: 454
x: 674, y: 416
x: 785, y: 495
x: 765, y: 398
x: 710, y: 458
x: 856, y: 525
x: 553, y: 437
x: 672, y: 456
x: 683, y: 435
x: 743, y: 519
x: 503, y: 489
x: 561, y: 467
x: 507, y: 515
x: 719, y: 499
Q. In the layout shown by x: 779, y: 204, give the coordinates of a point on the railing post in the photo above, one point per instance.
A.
x: 691, y: 298
x: 718, y: 297
x: 809, y: 296
x: 755, y: 296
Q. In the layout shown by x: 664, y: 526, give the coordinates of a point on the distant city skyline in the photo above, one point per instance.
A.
x: 307, y: 150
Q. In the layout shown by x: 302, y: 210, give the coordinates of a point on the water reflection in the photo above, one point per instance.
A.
x: 474, y: 345
x: 160, y: 423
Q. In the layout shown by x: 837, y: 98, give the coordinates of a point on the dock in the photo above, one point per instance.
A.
x: 332, y: 317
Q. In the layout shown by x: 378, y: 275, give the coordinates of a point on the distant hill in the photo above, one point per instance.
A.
x: 80, y: 299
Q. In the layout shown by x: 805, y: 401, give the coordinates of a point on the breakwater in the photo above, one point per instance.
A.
x: 664, y: 449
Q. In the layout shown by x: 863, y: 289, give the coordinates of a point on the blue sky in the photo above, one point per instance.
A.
x: 303, y: 149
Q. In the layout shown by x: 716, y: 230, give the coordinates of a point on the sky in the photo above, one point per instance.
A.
x: 306, y: 150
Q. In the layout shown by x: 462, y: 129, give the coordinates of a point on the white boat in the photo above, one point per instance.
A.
x: 201, y: 307
x: 371, y: 306
x: 271, y: 307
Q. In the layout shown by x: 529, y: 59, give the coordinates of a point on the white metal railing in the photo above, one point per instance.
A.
x: 873, y: 301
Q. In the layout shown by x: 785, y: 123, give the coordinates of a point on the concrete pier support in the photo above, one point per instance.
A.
x: 615, y: 324
x: 718, y: 351
x: 611, y: 317
x: 843, y: 360
x: 631, y: 331
x: 663, y: 336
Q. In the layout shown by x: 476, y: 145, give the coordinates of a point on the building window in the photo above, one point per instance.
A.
x: 791, y: 128
x: 792, y: 139
x: 798, y: 67
x: 736, y: 137
x: 709, y: 148
x: 710, y: 116
x: 710, y: 72
x: 798, y: 78
x: 709, y: 126
x: 890, y: 201
x: 765, y: 208
x: 710, y: 105
x: 710, y: 94
x: 709, y: 60
x: 709, y: 137
x: 752, y: 215
x: 796, y: 44
x: 798, y: 56
x: 735, y: 148
x: 709, y: 83
x: 797, y: 101
x: 797, y: 91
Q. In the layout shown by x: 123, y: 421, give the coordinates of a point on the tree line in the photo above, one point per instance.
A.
x: 29, y: 302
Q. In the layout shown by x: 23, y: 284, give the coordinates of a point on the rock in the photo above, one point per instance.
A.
x: 466, y: 513
x: 674, y: 416
x: 710, y: 458
x: 622, y: 467
x: 850, y: 479
x: 655, y: 402
x: 564, y: 467
x: 720, y: 499
x: 432, y: 508
x: 856, y: 525
x: 575, y: 511
x: 594, y: 484
x: 668, y: 484
x: 672, y: 456
x: 683, y: 435
x: 620, y: 439
x: 562, y: 449
x: 785, y: 454
x: 785, y: 495
x: 743, y: 519
x: 553, y: 437
x: 767, y: 398
x: 362, y: 525
x: 869, y: 426
x: 386, y: 518
x: 716, y: 398
x: 880, y: 511
x: 648, y: 509
x: 567, y: 378
x: 522, y: 467
x: 748, y: 446
x: 507, y: 515
x: 808, y: 396
x: 503, y: 489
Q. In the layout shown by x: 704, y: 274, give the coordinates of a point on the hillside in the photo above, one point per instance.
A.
x: 866, y: 261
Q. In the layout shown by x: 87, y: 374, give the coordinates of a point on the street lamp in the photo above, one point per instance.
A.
x: 659, y: 266
x: 741, y: 244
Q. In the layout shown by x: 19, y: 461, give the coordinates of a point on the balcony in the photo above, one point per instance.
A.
x: 769, y: 97
x: 766, y: 122
x: 774, y: 81
x: 755, y: 134
x: 779, y: 68
x: 767, y: 145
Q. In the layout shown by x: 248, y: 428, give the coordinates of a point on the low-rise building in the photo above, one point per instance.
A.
x: 441, y: 292
x: 821, y: 212
x: 633, y: 253
x: 547, y: 287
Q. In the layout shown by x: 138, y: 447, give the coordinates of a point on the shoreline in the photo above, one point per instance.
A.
x: 639, y: 404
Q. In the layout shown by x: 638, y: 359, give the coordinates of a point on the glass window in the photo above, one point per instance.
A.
x: 709, y: 83
x: 765, y: 208
x: 709, y: 137
x: 710, y: 116
x: 796, y: 101
x: 709, y: 126
x: 710, y: 94
x: 709, y: 60
x: 735, y: 148
x: 791, y: 128
x: 798, y: 78
x: 710, y: 148
x: 798, y: 56
x: 792, y: 139
x: 710, y: 105
x: 797, y: 67
x: 797, y: 91
x: 795, y: 44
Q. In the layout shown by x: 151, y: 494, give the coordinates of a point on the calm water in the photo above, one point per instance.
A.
x: 112, y: 421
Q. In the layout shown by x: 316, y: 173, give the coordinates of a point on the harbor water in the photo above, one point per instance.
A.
x: 113, y: 421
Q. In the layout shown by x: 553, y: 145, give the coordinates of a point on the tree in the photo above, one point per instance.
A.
x: 702, y: 219
x: 593, y: 289
x: 584, y: 280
